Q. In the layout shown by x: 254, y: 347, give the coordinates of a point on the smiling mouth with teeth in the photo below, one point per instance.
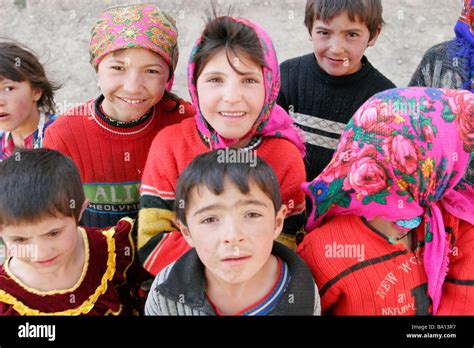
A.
x: 132, y: 101
x: 232, y: 114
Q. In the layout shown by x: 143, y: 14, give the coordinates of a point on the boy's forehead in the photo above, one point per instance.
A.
x: 341, y: 17
x: 201, y: 194
x: 36, y: 228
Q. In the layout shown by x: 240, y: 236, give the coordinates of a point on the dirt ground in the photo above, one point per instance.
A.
x: 59, y: 31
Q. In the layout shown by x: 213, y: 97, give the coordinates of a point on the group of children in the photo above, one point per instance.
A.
x: 143, y: 202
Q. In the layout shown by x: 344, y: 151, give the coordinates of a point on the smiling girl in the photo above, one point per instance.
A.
x: 234, y: 80
x: 134, y: 51
x: 26, y: 99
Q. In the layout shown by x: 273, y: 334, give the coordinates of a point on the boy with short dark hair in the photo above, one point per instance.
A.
x: 323, y: 89
x: 55, y: 267
x: 231, y: 214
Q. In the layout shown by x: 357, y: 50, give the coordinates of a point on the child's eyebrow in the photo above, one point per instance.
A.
x: 344, y: 31
x: 239, y: 203
x: 206, y: 208
x: 244, y: 73
x: 123, y: 62
x: 242, y: 202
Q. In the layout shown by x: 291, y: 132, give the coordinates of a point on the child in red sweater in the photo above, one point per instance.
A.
x: 134, y: 51
x: 234, y: 81
x: 392, y: 225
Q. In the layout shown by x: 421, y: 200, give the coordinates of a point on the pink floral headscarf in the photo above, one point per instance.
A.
x: 273, y: 120
x: 135, y: 26
x: 402, y: 155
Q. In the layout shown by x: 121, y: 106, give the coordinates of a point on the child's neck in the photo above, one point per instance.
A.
x: 26, y: 129
x: 242, y: 143
x: 232, y: 298
x: 63, y: 278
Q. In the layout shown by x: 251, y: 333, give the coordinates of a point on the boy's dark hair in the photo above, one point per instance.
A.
x: 18, y: 63
x: 36, y: 184
x: 366, y: 11
x: 210, y: 170
x: 234, y: 37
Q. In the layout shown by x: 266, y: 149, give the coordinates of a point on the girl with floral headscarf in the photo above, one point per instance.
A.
x: 392, y: 224
x: 234, y: 81
x: 134, y: 50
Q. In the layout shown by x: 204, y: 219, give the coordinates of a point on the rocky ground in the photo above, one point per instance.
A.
x: 59, y: 31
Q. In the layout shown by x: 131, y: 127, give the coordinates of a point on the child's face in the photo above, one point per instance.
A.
x: 18, y: 104
x: 132, y: 81
x: 44, y: 246
x: 340, y: 44
x: 233, y: 233
x: 230, y: 102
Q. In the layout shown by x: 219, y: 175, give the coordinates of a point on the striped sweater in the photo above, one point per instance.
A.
x: 179, y: 289
x: 360, y: 272
x: 171, y: 152
x: 322, y: 104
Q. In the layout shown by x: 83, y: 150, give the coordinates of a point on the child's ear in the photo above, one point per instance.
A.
x: 37, y: 94
x: 185, y: 231
x: 376, y: 36
x: 83, y: 208
x: 280, y: 220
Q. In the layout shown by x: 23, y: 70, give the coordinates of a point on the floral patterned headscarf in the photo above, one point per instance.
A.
x: 403, y: 153
x: 273, y: 119
x: 135, y: 26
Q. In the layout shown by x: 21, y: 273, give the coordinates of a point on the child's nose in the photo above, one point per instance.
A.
x: 233, y: 233
x: 232, y: 93
x: 133, y: 83
x: 337, y: 46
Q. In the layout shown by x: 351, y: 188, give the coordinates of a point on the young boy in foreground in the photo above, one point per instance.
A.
x: 231, y: 214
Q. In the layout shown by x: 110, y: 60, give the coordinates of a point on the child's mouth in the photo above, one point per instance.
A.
x: 133, y: 101
x: 232, y: 114
x: 47, y: 262
x: 236, y: 259
x: 3, y: 115
x: 337, y: 61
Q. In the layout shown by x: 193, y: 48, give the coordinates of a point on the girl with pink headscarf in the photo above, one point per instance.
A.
x: 392, y: 225
x: 234, y: 80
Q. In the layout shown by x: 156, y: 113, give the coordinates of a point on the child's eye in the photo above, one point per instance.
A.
x: 9, y: 89
x: 322, y: 32
x: 117, y: 68
x: 19, y: 240
x: 53, y: 233
x: 353, y: 35
x: 214, y: 80
x: 253, y: 215
x: 209, y: 220
x: 250, y: 80
x: 153, y: 71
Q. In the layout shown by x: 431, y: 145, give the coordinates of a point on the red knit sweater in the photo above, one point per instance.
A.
x: 171, y: 152
x: 110, y: 159
x: 359, y: 272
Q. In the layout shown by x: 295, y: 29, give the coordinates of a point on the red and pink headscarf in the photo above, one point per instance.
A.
x: 402, y: 155
x: 273, y: 120
x: 135, y: 26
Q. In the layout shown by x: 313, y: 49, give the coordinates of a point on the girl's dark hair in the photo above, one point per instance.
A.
x: 211, y: 168
x: 37, y: 184
x: 234, y: 37
x: 18, y: 63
